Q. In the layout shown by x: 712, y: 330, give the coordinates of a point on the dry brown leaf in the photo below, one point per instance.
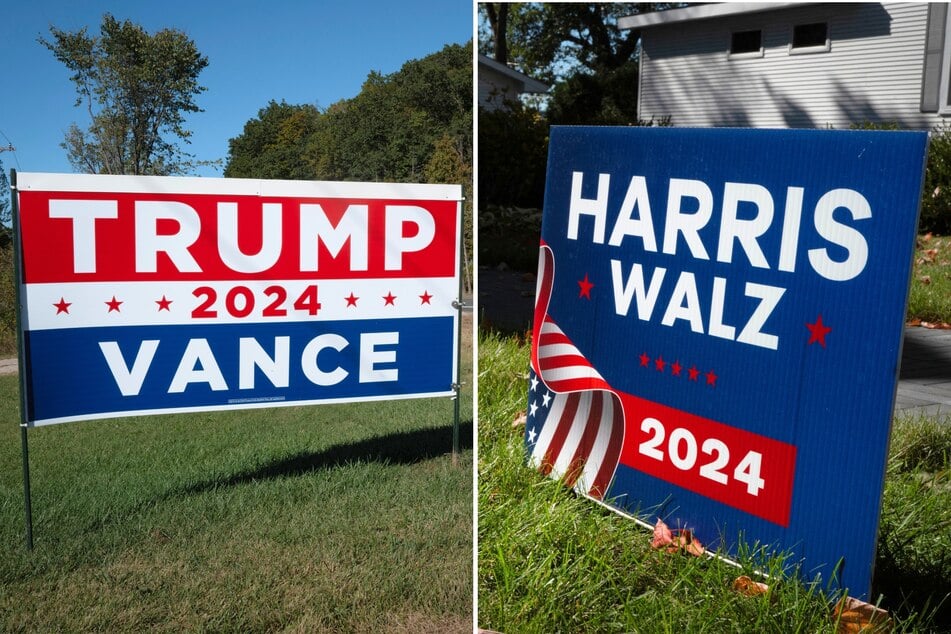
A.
x: 662, y: 535
x: 927, y: 237
x: 679, y: 540
x: 689, y: 544
x: 853, y: 615
x: 925, y: 279
x: 747, y: 587
x: 913, y: 322
x: 520, y: 419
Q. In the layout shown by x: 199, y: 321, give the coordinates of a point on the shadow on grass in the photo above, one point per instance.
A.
x: 922, y: 359
x: 397, y: 448
x: 921, y: 592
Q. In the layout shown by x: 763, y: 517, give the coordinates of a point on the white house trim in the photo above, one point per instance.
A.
x: 701, y: 12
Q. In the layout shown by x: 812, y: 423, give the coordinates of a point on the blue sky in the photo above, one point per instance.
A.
x: 316, y: 51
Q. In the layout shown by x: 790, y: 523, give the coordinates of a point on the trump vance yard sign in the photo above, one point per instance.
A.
x: 157, y: 294
x: 718, y: 328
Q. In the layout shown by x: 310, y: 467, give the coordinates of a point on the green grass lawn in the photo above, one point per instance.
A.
x: 930, y: 298
x: 550, y: 561
x: 330, y: 518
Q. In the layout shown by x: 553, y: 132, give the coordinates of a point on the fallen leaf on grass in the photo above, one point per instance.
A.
x: 853, y: 615
x: 520, y: 419
x: 679, y: 540
x: 747, y: 587
x: 925, y: 279
x: 662, y: 535
x: 913, y: 322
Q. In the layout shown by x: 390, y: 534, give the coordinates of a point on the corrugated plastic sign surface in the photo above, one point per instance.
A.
x: 718, y: 329
x: 148, y: 294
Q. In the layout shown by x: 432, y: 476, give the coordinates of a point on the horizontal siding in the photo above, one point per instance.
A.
x: 872, y: 71
x: 495, y: 88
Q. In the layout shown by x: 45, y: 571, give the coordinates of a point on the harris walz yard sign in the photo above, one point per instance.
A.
x: 718, y: 328
x: 157, y: 294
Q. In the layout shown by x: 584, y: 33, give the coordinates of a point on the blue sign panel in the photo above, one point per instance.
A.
x: 718, y: 329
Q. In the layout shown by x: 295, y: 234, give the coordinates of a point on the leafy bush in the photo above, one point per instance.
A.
x: 8, y: 333
x: 513, y: 153
x: 510, y: 235
x: 936, y: 194
x: 936, y: 197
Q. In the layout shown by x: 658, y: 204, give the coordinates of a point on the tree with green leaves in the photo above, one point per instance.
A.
x: 276, y: 144
x: 409, y: 126
x: 5, y: 208
x: 137, y: 88
x: 578, y: 48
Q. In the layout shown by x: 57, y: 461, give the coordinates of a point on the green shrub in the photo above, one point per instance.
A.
x: 8, y: 333
x: 513, y: 152
x: 510, y: 235
x: 936, y: 196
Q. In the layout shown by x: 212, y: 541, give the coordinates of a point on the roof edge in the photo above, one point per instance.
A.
x: 529, y: 84
x: 701, y: 12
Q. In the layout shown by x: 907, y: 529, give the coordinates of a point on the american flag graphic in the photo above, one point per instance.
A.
x: 575, y: 423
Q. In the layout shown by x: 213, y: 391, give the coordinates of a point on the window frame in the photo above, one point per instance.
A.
x: 746, y: 54
x: 815, y: 48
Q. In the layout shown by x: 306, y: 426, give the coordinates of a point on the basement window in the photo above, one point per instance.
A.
x: 810, y: 38
x: 746, y: 44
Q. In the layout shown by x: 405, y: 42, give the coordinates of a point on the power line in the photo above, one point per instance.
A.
x: 9, y: 148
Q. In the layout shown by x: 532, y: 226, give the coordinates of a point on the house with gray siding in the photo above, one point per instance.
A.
x: 795, y: 65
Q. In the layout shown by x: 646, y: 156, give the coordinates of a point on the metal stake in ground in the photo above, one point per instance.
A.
x: 27, y: 506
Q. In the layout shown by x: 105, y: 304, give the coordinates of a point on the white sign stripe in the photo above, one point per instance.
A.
x: 400, y: 192
x: 600, y: 448
x: 548, y: 431
x: 556, y: 349
x: 578, y: 426
x: 555, y: 375
x: 89, y: 304
x: 549, y: 328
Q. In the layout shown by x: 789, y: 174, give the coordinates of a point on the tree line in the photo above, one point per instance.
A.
x: 414, y: 125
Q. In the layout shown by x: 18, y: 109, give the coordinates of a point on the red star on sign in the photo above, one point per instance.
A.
x: 424, y: 298
x: 113, y: 305
x: 675, y: 368
x: 818, y: 332
x: 352, y: 300
x: 659, y: 363
x: 644, y: 359
x: 389, y: 298
x: 62, y: 306
x: 694, y: 373
x: 711, y: 378
x: 586, y: 287
x: 163, y: 304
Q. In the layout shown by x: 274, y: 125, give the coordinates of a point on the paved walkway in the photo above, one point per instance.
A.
x: 924, y: 384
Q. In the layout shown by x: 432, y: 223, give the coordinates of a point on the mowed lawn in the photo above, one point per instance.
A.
x: 331, y: 518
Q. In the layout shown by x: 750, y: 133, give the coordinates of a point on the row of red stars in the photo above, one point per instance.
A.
x: 62, y: 306
x: 677, y: 370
